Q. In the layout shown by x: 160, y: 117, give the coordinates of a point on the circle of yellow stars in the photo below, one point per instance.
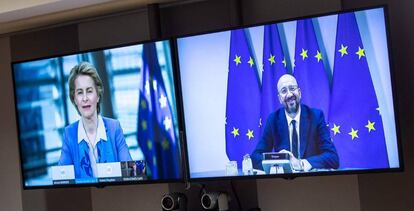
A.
x: 271, y: 59
x: 304, y: 54
x: 336, y: 129
x: 318, y: 56
x: 249, y: 134
x: 238, y: 60
x: 344, y: 51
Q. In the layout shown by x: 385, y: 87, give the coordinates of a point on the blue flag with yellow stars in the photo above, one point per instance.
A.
x: 274, y: 66
x: 309, y: 70
x: 243, y: 99
x: 355, y: 120
x: 156, y: 135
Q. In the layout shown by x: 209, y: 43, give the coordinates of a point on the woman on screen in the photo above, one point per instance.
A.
x: 92, y: 139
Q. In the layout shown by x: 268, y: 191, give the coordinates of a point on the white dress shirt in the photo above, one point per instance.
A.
x: 305, y: 163
x: 100, y: 136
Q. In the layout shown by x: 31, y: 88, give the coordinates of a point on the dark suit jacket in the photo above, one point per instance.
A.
x: 315, y: 140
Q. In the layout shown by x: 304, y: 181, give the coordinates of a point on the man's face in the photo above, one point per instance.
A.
x: 289, y: 93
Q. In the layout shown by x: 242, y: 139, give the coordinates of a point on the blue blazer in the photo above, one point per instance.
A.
x: 73, y: 153
x: 315, y: 140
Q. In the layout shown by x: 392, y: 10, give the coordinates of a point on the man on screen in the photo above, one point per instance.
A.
x: 298, y: 130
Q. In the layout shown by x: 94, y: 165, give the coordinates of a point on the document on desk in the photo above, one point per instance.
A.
x: 66, y: 172
x: 107, y: 170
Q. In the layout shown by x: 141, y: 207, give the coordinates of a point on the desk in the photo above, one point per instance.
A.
x: 222, y: 173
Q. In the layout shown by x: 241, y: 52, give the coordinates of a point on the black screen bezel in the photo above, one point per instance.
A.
x: 305, y: 174
x: 98, y: 184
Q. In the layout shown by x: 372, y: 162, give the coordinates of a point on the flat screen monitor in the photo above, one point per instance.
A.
x: 308, y: 96
x: 98, y: 118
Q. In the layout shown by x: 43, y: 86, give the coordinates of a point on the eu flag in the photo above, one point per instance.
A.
x: 243, y: 99
x: 274, y: 66
x: 309, y: 70
x: 156, y: 135
x: 355, y: 120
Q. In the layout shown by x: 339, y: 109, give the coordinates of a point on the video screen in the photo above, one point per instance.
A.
x: 299, y: 97
x: 98, y: 117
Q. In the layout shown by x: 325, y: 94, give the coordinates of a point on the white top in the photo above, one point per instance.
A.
x: 305, y: 163
x: 290, y: 125
x: 100, y: 135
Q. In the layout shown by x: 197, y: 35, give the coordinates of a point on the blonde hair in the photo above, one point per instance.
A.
x: 85, y: 68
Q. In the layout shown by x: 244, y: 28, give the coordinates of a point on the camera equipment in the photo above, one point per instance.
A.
x: 215, y: 201
x: 174, y: 201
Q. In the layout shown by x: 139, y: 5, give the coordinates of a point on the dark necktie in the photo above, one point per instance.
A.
x: 294, y: 139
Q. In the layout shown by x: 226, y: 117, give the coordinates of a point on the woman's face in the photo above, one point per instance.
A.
x: 86, y: 96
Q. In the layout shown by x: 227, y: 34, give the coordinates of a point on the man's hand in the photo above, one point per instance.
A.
x: 296, y: 163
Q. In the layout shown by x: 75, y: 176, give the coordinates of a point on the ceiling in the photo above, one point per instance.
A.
x: 17, y: 15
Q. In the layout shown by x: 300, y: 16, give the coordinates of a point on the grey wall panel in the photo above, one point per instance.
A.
x: 310, y: 193
x: 10, y: 183
x: 256, y: 11
x: 114, y: 30
x: 127, y: 198
x: 44, y: 43
x: 63, y: 199
x: 34, y: 200
x: 69, y: 199
x: 203, y: 16
x: 195, y: 17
